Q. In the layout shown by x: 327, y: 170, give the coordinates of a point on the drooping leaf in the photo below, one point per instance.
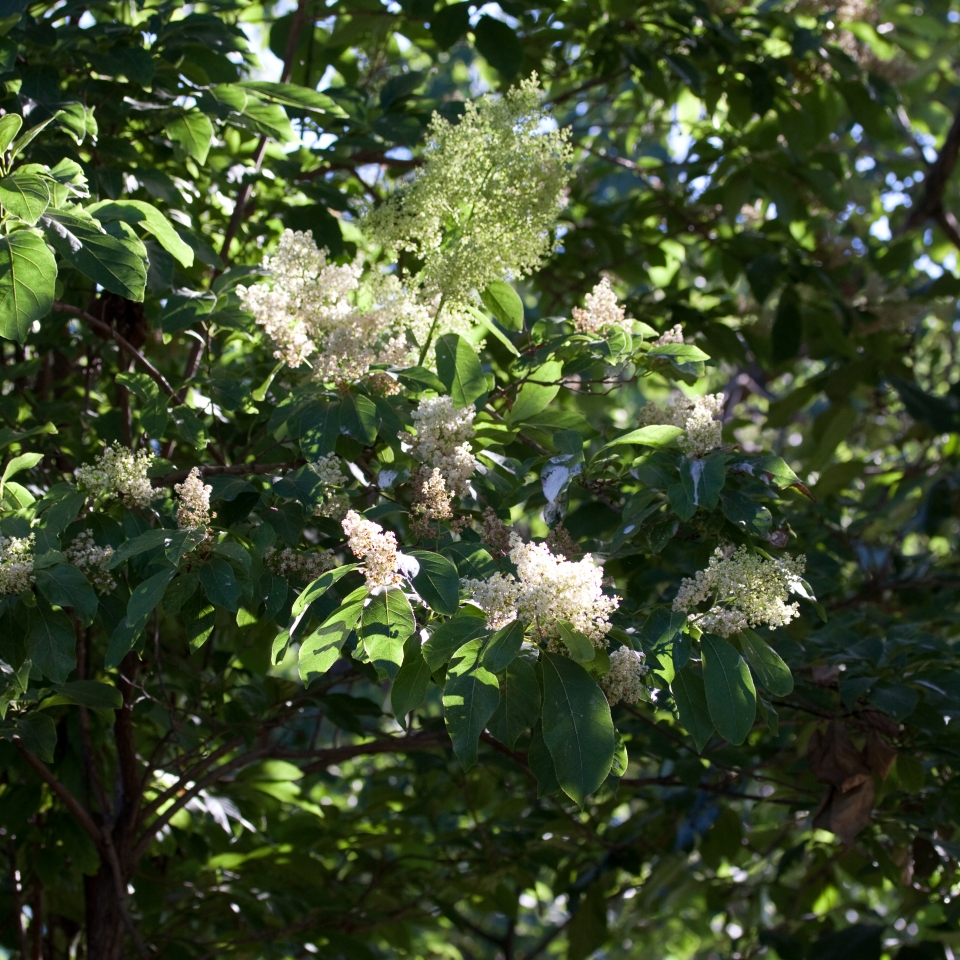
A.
x: 731, y: 695
x: 767, y: 664
x: 503, y: 646
x: 504, y: 303
x: 459, y: 370
x: 519, y: 706
x: 386, y: 622
x: 51, y: 643
x: 577, y: 727
x: 691, y: 700
x: 320, y: 649
x: 220, y: 584
x: 86, y: 693
x: 450, y: 636
x: 38, y: 734
x: 437, y: 582
x: 28, y: 273
x: 65, y: 586
x: 150, y: 219
x: 410, y: 687
x: 470, y: 696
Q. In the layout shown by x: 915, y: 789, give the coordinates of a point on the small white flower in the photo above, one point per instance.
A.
x: 673, y: 335
x: 121, y: 473
x: 377, y: 548
x: 548, y: 588
x: 695, y: 416
x: 744, y: 590
x: 299, y: 566
x: 601, y: 309
x: 91, y: 560
x: 193, y: 507
x: 441, y: 441
x: 16, y: 564
x: 626, y: 679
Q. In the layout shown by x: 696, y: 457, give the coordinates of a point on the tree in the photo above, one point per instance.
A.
x: 380, y: 590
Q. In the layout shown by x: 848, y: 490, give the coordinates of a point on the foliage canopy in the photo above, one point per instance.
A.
x: 329, y: 389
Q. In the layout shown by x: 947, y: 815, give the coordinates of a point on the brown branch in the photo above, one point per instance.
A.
x: 66, y: 797
x: 930, y: 205
x: 239, y: 210
x: 122, y: 341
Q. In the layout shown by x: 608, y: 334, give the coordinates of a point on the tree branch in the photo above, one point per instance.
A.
x: 108, y: 331
x: 930, y: 205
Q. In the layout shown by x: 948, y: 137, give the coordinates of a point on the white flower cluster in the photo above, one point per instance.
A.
x: 695, y: 416
x: 626, y: 680
x: 601, y: 309
x: 299, y: 566
x: 378, y: 550
x: 431, y: 501
x: 548, y: 588
x: 335, y: 502
x: 441, y: 442
x: 91, y: 560
x: 119, y: 472
x: 193, y: 506
x: 317, y: 309
x: 673, y: 335
x: 16, y: 564
x: 483, y: 205
x: 744, y: 590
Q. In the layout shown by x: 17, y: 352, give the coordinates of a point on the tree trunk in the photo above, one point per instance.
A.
x: 105, y: 933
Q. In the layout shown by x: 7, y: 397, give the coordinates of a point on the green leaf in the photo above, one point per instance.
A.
x: 193, y: 132
x: 449, y: 24
x: 151, y: 219
x: 51, y: 643
x: 450, y: 636
x: 491, y: 325
x: 359, y: 418
x: 470, y: 696
x: 316, y: 589
x: 473, y: 561
x: 504, y: 303
x: 319, y: 429
x: 293, y: 96
x: 410, y: 687
x: 220, y: 584
x: 519, y: 706
x: 419, y: 379
x: 580, y: 647
x: 766, y: 663
x: 26, y: 461
x: 458, y: 367
x: 10, y: 125
x: 148, y: 540
x: 534, y: 397
x: 113, y: 262
x: 28, y: 272
x: 691, y: 700
x: 703, y: 480
x: 541, y: 764
x: 38, y: 733
x: 731, y: 695
x: 199, y: 617
x: 504, y: 645
x: 65, y: 586
x: 386, y: 622
x: 577, y: 727
x: 143, y: 601
x: 320, y: 649
x: 499, y: 45
x: 25, y: 195
x: 86, y: 693
x: 437, y: 582
x: 655, y: 435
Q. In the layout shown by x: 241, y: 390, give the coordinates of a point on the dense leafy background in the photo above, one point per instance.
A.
x: 776, y: 178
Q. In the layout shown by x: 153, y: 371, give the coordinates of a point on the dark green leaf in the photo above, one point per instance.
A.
x: 519, y: 705
x: 470, y: 696
x: 538, y: 392
x: 65, y: 586
x: 87, y: 693
x: 766, y: 664
x: 446, y: 639
x: 459, y: 370
x: 38, y: 734
x: 320, y: 649
x: 193, y: 132
x: 386, y: 622
x: 691, y: 700
x: 499, y: 45
x: 28, y: 273
x: 731, y: 695
x: 541, y: 764
x: 504, y: 303
x: 410, y: 687
x: 503, y: 646
x: 437, y: 582
x: 220, y: 584
x: 580, y: 647
x: 51, y: 643
x: 703, y: 480
x: 577, y: 727
x: 359, y: 418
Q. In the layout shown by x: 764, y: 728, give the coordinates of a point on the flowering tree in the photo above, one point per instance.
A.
x: 377, y: 565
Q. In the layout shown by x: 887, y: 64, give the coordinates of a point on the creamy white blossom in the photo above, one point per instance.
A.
x: 743, y: 590
x: 442, y: 438
x: 695, y: 416
x: 119, y: 472
x: 335, y: 501
x: 193, y: 502
x: 16, y: 564
x: 548, y: 588
x: 626, y: 680
x: 483, y: 206
x: 673, y: 335
x: 299, y: 566
x: 600, y: 309
x: 321, y: 313
x: 91, y: 559
x: 376, y: 548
